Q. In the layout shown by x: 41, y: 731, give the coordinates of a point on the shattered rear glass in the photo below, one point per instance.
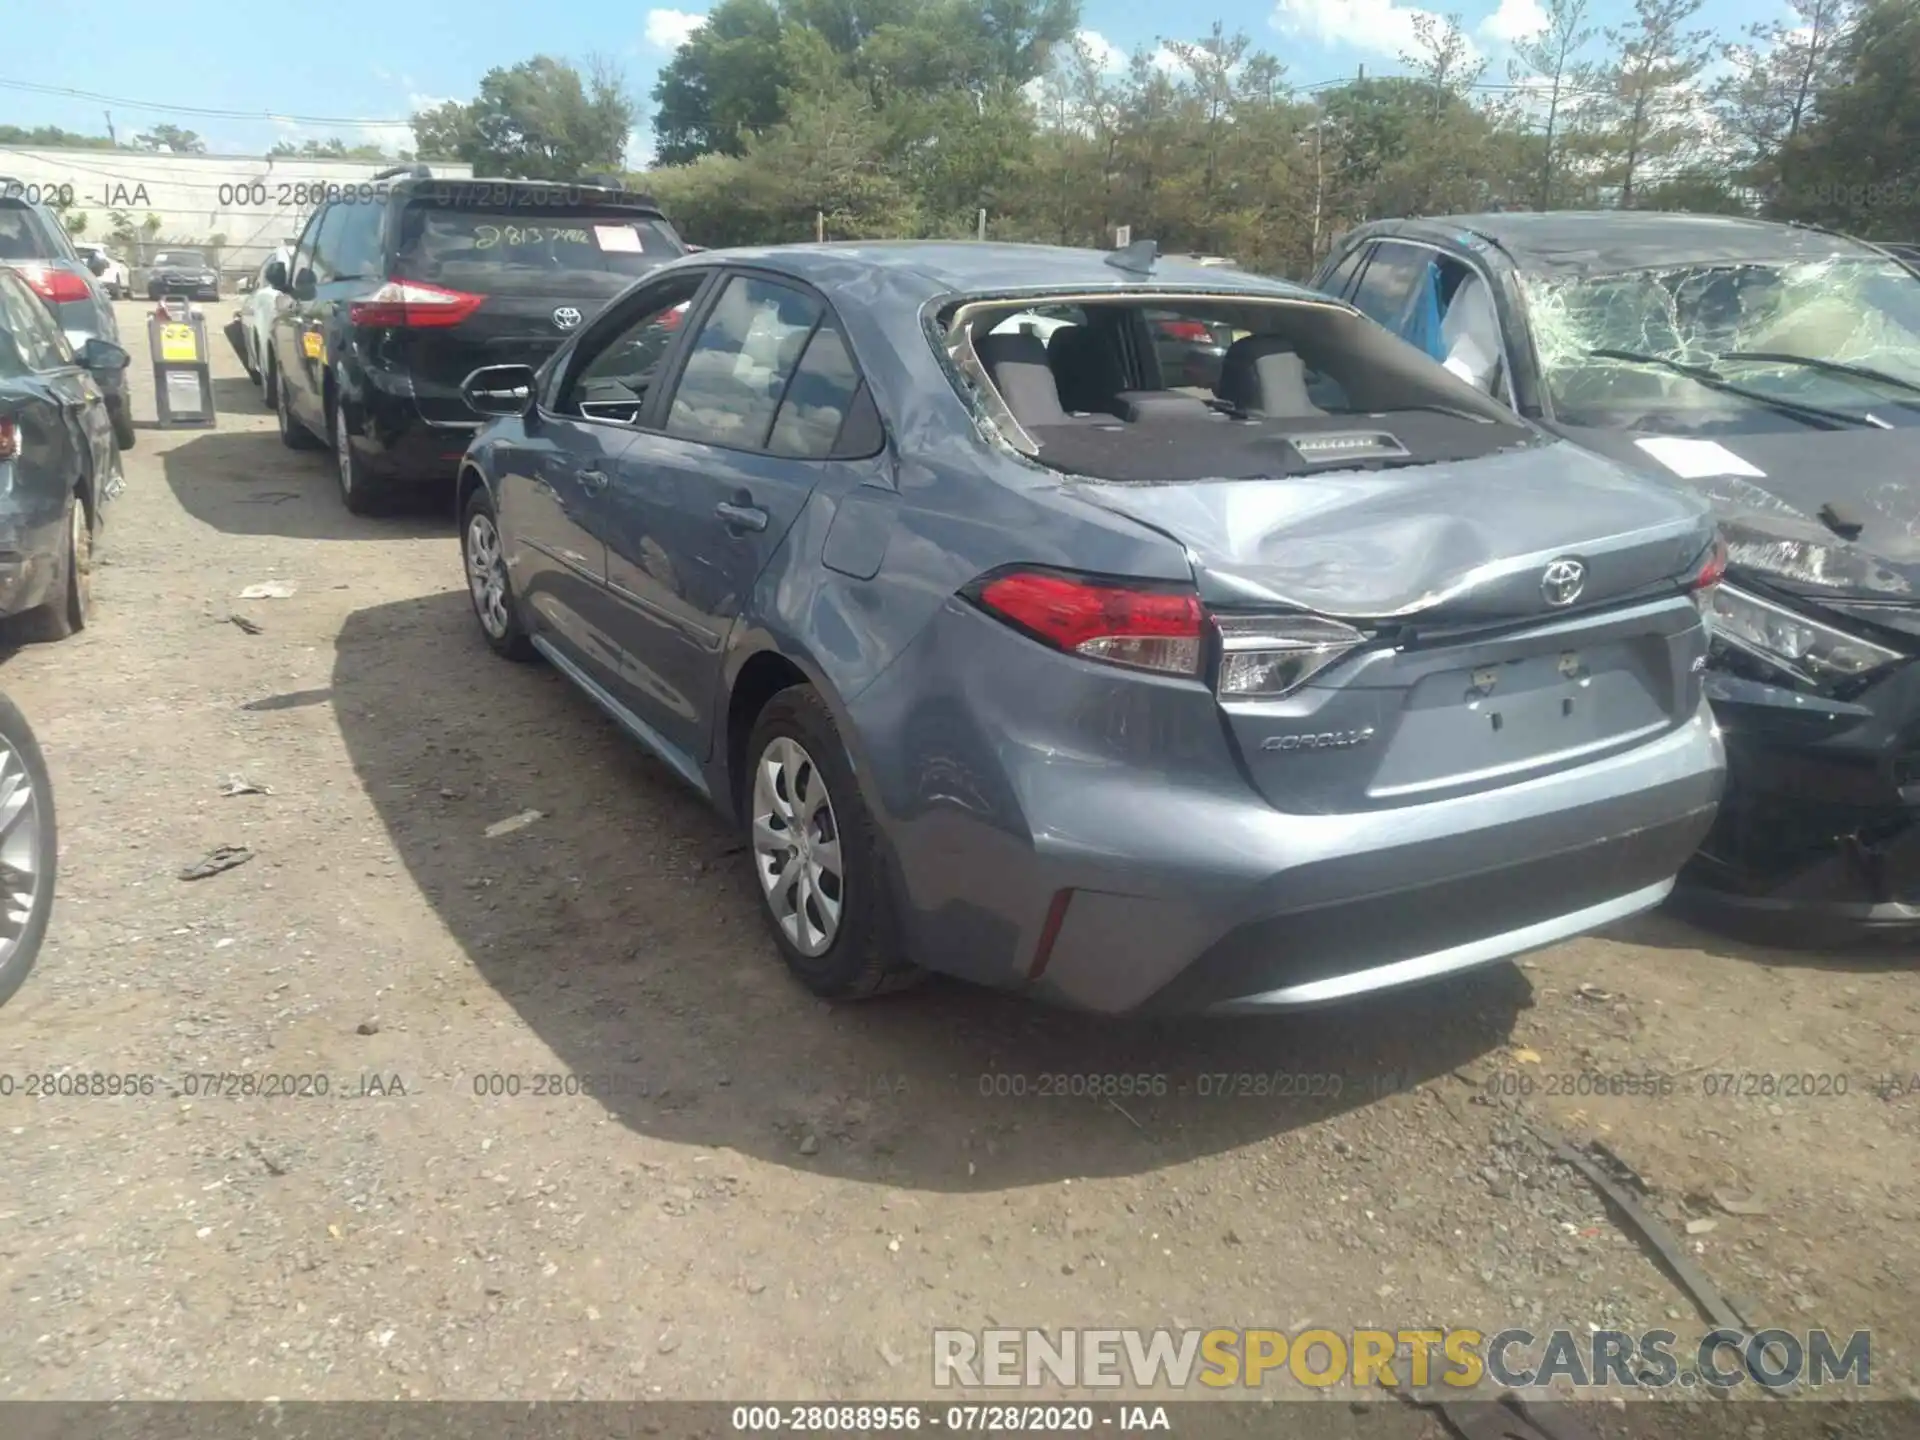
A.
x: 1857, y: 312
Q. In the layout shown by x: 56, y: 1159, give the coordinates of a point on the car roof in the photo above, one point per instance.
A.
x: 1604, y: 241
x: 930, y: 269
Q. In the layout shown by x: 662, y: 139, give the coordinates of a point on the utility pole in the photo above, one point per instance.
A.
x: 115, y: 139
x: 1318, y: 186
x: 820, y: 227
x: 983, y: 224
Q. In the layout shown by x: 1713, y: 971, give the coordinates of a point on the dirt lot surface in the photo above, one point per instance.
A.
x: 769, y: 1196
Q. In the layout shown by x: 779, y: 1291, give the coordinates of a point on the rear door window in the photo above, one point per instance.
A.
x: 22, y: 236
x: 1341, y: 278
x: 39, y: 341
x: 737, y: 371
x: 1391, y: 280
x: 585, y: 251
x: 818, y: 398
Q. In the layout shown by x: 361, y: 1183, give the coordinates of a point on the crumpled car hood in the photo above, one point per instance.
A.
x: 1773, y: 523
x: 1468, y: 541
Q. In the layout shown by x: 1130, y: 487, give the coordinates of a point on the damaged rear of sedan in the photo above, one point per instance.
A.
x: 1327, y: 677
x: 1775, y: 370
x: 1016, y: 658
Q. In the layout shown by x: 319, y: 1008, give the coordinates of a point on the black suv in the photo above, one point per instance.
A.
x: 401, y: 288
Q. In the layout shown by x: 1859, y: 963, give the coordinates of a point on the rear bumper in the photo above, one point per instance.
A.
x: 1096, y: 844
x: 1822, y: 814
x: 394, y: 442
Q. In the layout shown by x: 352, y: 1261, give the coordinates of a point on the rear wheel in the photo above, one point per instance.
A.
x: 817, y: 855
x: 29, y: 849
x: 293, y: 434
x: 71, y: 607
x: 359, y: 491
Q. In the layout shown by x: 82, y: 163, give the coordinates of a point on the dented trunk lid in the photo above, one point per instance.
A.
x: 1473, y: 679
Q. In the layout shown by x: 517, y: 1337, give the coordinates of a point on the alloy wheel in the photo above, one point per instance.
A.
x: 20, y: 878
x: 796, y: 846
x: 487, y: 575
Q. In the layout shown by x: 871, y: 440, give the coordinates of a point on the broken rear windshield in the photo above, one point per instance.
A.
x: 1808, y: 319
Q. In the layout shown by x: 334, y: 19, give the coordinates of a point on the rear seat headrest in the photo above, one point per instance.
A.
x: 1264, y: 375
x: 1017, y: 365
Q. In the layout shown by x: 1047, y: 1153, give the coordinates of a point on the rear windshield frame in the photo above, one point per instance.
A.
x: 577, y: 213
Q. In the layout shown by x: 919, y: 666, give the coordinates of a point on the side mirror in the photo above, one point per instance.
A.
x: 499, y: 389
x: 303, y: 285
x: 99, y: 264
x: 98, y: 355
x: 277, y: 274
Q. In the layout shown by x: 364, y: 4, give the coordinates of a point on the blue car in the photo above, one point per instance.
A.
x: 1018, y: 658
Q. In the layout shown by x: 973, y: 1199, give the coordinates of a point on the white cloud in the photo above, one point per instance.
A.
x: 1514, y: 20
x: 1378, y: 27
x: 1106, y: 54
x: 670, y: 29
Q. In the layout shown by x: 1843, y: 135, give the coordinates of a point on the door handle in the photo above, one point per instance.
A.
x: 595, y: 480
x: 741, y: 517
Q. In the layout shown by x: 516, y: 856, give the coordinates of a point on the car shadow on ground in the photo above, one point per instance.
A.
x: 623, y: 926
x: 1777, y: 941
x: 248, y: 483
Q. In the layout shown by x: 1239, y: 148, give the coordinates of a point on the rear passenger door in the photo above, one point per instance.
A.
x: 305, y: 358
x: 767, y: 404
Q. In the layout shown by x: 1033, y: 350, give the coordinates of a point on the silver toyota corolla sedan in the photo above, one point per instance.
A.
x: 1275, y: 680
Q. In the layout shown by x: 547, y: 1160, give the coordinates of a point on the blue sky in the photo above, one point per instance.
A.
x: 368, y: 62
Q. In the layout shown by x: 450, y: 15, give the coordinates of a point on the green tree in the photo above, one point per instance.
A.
x: 53, y: 137
x: 724, y: 84
x: 333, y: 148
x: 76, y: 222
x: 1550, y: 61
x: 172, y: 139
x: 1647, y: 98
x: 1860, y: 140
x: 1776, y: 76
x: 538, y: 120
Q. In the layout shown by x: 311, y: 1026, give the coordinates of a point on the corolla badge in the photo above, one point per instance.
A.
x: 1563, y: 581
x: 1325, y: 740
x: 566, y: 317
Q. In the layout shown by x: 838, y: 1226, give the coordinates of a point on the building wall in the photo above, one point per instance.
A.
x: 255, y: 202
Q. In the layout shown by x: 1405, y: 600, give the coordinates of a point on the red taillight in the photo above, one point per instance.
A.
x: 56, y: 287
x: 9, y: 438
x: 1191, y: 330
x: 413, y: 305
x: 1712, y: 567
x: 1147, y: 628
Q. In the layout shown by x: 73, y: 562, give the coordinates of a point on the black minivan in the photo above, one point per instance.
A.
x: 401, y: 288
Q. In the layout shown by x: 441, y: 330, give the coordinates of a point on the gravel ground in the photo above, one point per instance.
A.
x: 765, y: 1196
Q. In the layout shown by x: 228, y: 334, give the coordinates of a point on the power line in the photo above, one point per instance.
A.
x: 197, y: 110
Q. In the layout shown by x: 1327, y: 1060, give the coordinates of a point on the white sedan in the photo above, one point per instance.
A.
x: 255, y: 313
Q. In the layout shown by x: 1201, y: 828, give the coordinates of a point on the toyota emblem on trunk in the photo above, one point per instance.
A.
x: 1563, y: 581
x: 566, y: 317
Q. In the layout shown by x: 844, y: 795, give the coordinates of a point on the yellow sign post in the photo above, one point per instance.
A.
x: 182, y: 379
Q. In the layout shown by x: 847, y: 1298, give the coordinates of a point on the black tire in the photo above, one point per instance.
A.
x: 863, y: 957
x: 509, y: 639
x: 360, y: 492
x: 71, y: 607
x: 23, y: 766
x: 293, y: 434
x: 120, y: 412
